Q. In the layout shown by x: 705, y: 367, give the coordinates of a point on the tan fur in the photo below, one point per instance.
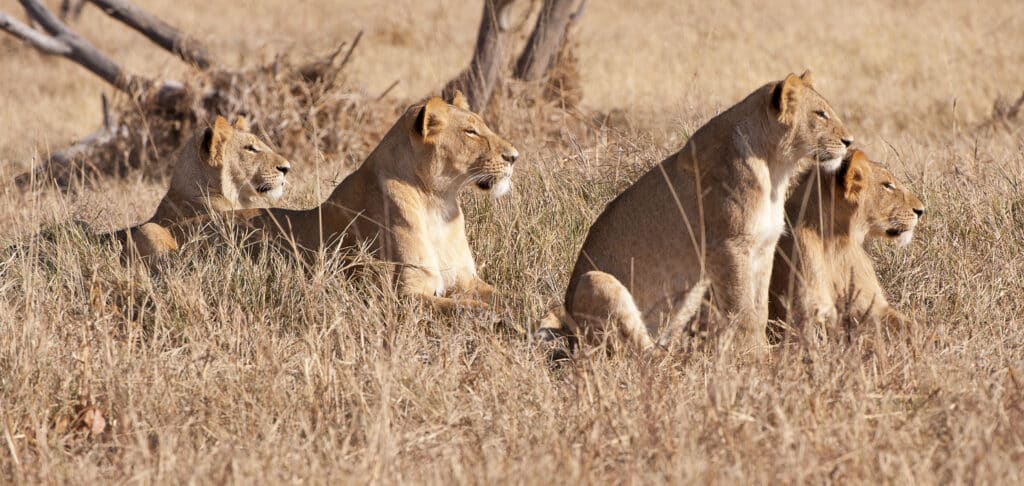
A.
x: 222, y: 167
x: 823, y: 262
x: 403, y: 203
x: 658, y: 241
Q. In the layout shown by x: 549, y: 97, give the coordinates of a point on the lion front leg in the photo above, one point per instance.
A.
x: 151, y: 240
x: 472, y: 285
x: 732, y: 276
x: 428, y: 287
x: 892, y: 318
x: 813, y: 308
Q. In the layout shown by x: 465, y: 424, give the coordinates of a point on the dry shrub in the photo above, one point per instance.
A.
x: 301, y: 108
x: 563, y: 82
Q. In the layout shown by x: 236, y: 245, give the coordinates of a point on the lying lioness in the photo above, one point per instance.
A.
x: 403, y: 203
x: 221, y: 167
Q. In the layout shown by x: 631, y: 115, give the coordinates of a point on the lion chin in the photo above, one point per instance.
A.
x: 496, y: 187
x: 265, y: 193
x: 503, y: 187
x: 900, y: 236
x: 275, y: 193
x: 904, y: 238
x: 832, y: 165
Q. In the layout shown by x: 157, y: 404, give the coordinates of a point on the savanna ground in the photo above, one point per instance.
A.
x: 221, y: 367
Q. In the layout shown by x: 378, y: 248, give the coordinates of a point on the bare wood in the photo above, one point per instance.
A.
x: 184, y: 46
x: 43, y: 42
x: 71, y: 9
x: 325, y: 69
x: 478, y: 81
x: 62, y: 166
x: 547, y: 38
x: 83, y: 52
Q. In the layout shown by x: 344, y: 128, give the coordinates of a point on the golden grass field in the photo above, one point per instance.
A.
x: 224, y: 368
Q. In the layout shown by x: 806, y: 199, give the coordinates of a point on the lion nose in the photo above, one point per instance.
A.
x: 284, y: 168
x: 919, y: 212
x: 510, y: 156
x: 847, y: 141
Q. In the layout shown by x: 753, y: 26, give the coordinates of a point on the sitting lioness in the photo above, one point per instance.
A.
x: 708, y: 216
x: 402, y: 202
x: 220, y: 168
x: 823, y: 261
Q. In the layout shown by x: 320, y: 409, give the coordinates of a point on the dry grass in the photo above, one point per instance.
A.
x: 218, y: 367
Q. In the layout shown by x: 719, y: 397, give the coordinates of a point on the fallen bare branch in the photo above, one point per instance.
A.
x: 184, y: 46
x: 36, y: 39
x: 71, y: 9
x: 325, y: 69
x: 83, y: 52
x: 61, y: 167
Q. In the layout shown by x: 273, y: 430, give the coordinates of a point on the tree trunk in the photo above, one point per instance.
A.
x: 547, y: 37
x: 477, y: 82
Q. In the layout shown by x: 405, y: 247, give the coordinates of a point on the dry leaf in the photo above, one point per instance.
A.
x: 93, y: 419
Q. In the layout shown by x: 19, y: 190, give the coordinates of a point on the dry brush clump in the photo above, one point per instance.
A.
x: 305, y: 109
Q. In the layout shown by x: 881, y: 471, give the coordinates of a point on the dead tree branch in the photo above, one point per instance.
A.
x: 546, y: 40
x: 61, y: 166
x: 186, y: 47
x: 33, y: 37
x: 326, y: 69
x: 71, y: 9
x: 82, y: 52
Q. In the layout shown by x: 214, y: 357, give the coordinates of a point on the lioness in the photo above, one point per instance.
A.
x: 823, y: 262
x: 222, y: 167
x: 709, y: 215
x: 403, y: 203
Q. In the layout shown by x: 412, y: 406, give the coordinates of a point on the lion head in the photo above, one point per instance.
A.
x: 816, y: 130
x: 874, y: 203
x: 455, y: 147
x: 231, y: 166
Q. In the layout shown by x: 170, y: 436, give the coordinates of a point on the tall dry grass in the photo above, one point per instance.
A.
x: 216, y: 367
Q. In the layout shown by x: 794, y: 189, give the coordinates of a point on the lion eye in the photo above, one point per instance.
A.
x: 252, y: 148
x: 821, y: 114
x: 472, y: 132
x: 889, y: 186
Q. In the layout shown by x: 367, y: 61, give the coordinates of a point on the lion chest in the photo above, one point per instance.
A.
x: 445, y: 237
x: 766, y: 225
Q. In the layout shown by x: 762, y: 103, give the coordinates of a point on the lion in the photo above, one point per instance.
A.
x: 638, y: 272
x: 402, y: 204
x: 822, y: 264
x: 220, y: 168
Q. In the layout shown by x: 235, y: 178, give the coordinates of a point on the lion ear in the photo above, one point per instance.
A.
x: 241, y: 123
x: 855, y: 178
x: 214, y: 138
x: 459, y: 100
x: 431, y: 119
x: 807, y: 78
x: 785, y: 97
